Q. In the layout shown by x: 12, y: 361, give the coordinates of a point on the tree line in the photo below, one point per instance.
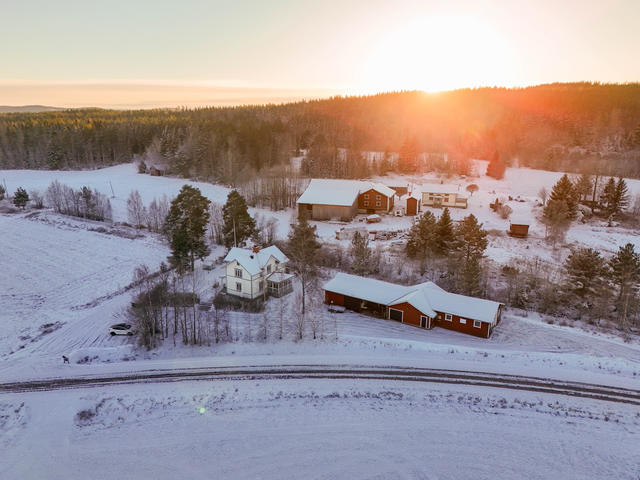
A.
x: 573, y: 127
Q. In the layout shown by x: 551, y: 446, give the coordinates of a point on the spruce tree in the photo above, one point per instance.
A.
x: 607, y: 199
x: 625, y: 272
x: 471, y: 238
x: 302, y: 250
x: 421, y: 236
x: 20, y: 198
x: 2, y: 192
x: 185, y: 227
x: 583, y: 186
x: 496, y: 167
x: 444, y: 233
x: 470, y: 244
x: 563, y: 191
x: 238, y: 224
x: 586, y: 271
x: 620, y: 197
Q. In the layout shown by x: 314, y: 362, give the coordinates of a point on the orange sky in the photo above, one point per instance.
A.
x: 150, y: 53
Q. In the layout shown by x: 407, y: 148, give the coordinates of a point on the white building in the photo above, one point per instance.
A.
x: 439, y: 195
x: 253, y: 273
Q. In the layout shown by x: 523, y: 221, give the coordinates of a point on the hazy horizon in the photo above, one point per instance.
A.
x: 149, y: 54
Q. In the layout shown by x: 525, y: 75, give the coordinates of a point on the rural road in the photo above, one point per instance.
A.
x: 424, y: 375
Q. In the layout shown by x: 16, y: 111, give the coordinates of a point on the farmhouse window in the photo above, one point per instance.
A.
x: 366, y: 204
x: 378, y: 204
x: 366, y: 196
x: 378, y: 197
x: 448, y: 317
x: 423, y: 321
x: 463, y: 321
x: 477, y: 324
x: 261, y: 285
x: 269, y: 268
x: 238, y: 286
x: 239, y: 272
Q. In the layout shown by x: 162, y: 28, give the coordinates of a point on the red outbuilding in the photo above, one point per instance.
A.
x: 425, y: 305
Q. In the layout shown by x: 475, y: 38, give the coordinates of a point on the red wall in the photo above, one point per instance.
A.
x: 385, y: 202
x: 411, y: 314
x: 412, y: 206
x: 336, y: 298
x: 467, y: 328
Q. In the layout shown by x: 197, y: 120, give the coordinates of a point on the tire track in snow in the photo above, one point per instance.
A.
x: 466, y: 378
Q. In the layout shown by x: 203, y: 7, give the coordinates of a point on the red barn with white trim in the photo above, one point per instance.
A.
x: 425, y: 305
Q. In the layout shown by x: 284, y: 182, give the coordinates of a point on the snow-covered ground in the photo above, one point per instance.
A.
x: 274, y: 429
x: 63, y: 282
x: 117, y: 182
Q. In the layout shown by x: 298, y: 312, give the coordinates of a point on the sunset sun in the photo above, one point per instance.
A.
x: 436, y: 53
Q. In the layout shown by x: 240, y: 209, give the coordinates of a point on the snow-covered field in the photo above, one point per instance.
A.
x: 321, y: 429
x: 62, y: 283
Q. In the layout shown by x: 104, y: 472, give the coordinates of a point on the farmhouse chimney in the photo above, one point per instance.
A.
x: 256, y: 249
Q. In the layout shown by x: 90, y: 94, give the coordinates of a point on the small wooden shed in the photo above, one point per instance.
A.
x: 519, y: 228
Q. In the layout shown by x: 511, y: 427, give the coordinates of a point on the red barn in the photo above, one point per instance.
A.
x: 377, y: 198
x: 425, y: 305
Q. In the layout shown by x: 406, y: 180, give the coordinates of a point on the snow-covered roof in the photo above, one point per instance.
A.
x: 463, y: 306
x: 279, y: 276
x: 415, y: 194
x: 520, y: 220
x: 426, y: 297
x: 441, y: 188
x: 364, y: 288
x: 378, y: 187
x: 324, y: 191
x: 254, y: 262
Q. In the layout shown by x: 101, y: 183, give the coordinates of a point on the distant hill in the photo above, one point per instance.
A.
x: 28, y: 109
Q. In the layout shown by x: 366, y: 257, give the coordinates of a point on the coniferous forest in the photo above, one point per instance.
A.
x: 579, y: 127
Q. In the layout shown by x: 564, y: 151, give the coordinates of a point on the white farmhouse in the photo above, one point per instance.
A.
x: 253, y: 273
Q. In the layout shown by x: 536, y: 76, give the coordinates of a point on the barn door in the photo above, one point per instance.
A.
x: 424, y: 321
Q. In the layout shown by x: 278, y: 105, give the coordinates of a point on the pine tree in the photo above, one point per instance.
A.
x: 496, y: 167
x: 361, y: 255
x: 608, y: 195
x: 20, y: 198
x: 185, y: 226
x: 586, y: 271
x: 556, y: 220
x: 625, y: 271
x: 238, y: 224
x: 471, y: 238
x: 302, y: 250
x: 421, y: 236
x: 620, y: 198
x: 563, y: 191
x: 583, y: 186
x: 444, y: 234
x: 470, y: 244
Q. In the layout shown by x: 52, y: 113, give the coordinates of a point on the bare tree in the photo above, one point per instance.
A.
x: 136, y: 212
x: 543, y: 194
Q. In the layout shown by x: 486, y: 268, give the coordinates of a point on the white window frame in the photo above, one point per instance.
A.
x: 238, y: 270
x: 477, y: 324
x: 427, y: 321
x: 378, y: 197
x: 269, y: 268
x: 397, y: 310
x: 238, y: 286
x: 378, y: 204
x: 463, y: 321
x: 366, y: 203
x: 448, y: 317
x: 366, y: 196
